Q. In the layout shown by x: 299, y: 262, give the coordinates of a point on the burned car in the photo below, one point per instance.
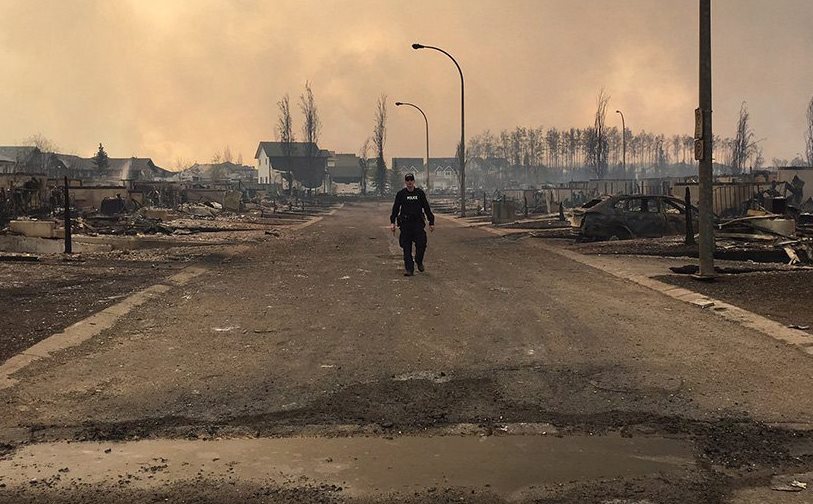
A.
x: 623, y: 217
x: 577, y: 214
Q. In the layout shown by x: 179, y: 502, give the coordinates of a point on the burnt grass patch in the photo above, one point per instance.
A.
x: 752, y: 291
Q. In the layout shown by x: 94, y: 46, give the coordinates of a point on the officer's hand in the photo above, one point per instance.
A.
x: 392, y: 228
x: 431, y: 228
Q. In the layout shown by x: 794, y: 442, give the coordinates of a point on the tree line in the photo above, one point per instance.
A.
x: 538, y: 154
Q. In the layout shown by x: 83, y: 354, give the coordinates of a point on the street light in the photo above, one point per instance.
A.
x: 398, y: 104
x: 623, y: 142
x: 462, y: 150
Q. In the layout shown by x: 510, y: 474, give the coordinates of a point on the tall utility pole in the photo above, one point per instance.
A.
x: 398, y: 104
x: 462, y: 150
x: 623, y: 142
x: 703, y: 146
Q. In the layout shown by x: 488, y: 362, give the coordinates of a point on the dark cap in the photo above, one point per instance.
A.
x: 409, y: 176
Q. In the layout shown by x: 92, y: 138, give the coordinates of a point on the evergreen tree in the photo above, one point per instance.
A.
x: 101, y: 159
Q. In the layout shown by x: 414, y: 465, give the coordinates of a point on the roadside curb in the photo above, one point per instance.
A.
x: 725, y: 310
x: 314, y: 220
x: 91, y: 326
x: 732, y: 313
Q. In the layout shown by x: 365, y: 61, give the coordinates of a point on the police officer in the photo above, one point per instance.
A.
x: 408, y: 211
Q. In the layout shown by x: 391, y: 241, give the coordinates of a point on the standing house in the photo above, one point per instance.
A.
x: 308, y: 164
x: 6, y: 164
x: 415, y: 166
x: 345, y: 174
x: 79, y: 167
x: 23, y: 159
x: 443, y: 173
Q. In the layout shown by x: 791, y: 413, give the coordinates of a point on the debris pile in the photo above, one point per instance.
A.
x: 767, y: 230
x: 208, y: 210
x: 125, y: 225
x: 804, y: 225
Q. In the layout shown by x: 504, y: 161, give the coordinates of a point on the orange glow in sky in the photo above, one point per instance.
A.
x: 179, y: 80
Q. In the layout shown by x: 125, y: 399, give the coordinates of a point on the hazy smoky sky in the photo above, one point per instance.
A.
x: 181, y: 79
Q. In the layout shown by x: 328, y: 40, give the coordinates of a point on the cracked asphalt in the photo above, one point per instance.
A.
x: 319, y: 334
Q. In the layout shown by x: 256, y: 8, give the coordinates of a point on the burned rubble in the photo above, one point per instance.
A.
x: 750, y: 222
x: 170, y: 215
x: 120, y: 245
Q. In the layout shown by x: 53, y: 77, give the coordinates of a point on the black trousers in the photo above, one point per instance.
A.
x: 410, y: 235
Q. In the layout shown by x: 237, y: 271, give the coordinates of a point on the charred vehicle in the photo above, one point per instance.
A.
x: 577, y: 214
x: 623, y: 217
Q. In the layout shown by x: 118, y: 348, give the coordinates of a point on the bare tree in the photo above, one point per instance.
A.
x: 573, y: 140
x: 217, y: 171
x: 379, y: 139
x: 517, y: 139
x: 182, y: 163
x: 41, y: 142
x: 312, y: 126
x: 475, y: 147
x: 501, y: 141
x: 460, y: 152
x: 809, y: 134
x: 481, y: 146
x: 364, y: 154
x: 759, y: 158
x: 552, y: 139
x: 744, y: 145
x: 227, y: 155
x: 285, y: 135
x: 598, y: 146
x: 240, y: 158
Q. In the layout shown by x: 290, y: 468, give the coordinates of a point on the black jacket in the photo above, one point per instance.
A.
x: 410, y: 207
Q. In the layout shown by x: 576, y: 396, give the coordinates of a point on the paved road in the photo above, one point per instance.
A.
x: 319, y: 334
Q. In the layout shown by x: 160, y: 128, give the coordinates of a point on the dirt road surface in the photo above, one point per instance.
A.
x: 310, y: 370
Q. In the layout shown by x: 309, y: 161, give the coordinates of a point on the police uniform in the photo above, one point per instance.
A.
x: 408, y: 211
